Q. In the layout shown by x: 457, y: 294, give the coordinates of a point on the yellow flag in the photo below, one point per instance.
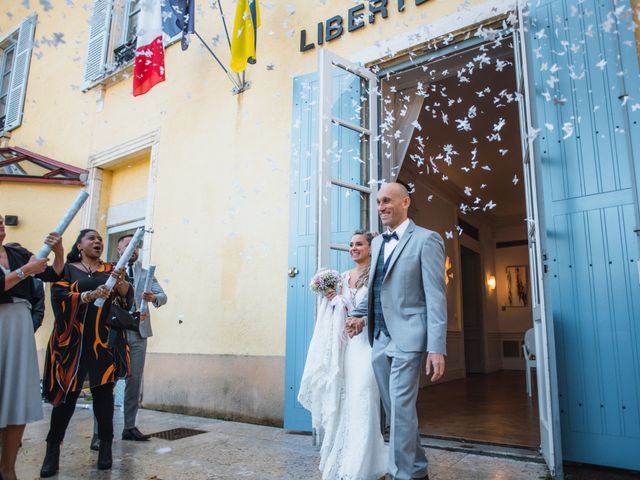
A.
x: 245, y: 34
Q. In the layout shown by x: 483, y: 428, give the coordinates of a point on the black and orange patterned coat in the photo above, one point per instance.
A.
x: 81, y: 340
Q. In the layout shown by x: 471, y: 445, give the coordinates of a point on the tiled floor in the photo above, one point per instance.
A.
x: 227, y: 451
x: 485, y: 408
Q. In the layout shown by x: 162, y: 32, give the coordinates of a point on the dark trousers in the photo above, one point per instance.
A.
x: 102, y: 409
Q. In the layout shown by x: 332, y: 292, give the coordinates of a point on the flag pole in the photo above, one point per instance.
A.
x: 235, y: 84
x: 224, y: 22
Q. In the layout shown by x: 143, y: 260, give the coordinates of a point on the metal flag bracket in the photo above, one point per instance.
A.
x: 239, y: 83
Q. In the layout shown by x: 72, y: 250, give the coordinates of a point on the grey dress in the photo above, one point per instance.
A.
x: 20, y: 399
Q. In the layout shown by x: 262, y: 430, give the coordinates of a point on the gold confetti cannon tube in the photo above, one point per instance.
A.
x: 122, y: 262
x: 65, y: 221
x: 147, y: 285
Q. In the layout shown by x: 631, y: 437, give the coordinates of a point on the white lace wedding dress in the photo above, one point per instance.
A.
x: 340, y: 390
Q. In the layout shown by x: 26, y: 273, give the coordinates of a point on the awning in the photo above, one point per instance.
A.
x: 20, y: 165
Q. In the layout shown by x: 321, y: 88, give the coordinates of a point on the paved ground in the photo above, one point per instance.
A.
x: 227, y: 451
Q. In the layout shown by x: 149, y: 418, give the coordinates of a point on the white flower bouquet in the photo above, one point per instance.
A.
x: 324, y: 280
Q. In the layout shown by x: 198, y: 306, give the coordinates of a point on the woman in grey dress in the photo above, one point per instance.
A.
x: 20, y: 401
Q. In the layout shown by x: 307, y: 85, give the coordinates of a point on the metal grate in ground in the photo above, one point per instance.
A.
x: 177, y: 433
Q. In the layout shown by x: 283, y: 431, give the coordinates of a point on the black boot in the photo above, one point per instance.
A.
x: 51, y: 460
x: 104, y: 455
x: 95, y: 443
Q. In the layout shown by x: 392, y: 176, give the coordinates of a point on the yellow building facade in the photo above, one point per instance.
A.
x: 208, y: 172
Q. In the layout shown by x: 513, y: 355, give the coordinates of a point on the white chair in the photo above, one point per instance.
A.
x: 529, y: 350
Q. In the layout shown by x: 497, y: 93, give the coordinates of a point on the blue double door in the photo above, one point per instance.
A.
x: 585, y: 106
x: 586, y: 102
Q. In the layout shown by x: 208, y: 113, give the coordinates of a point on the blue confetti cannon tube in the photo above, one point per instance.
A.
x: 147, y: 285
x: 65, y: 221
x: 122, y: 262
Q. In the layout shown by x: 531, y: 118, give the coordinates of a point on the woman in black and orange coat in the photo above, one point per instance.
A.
x: 82, y: 344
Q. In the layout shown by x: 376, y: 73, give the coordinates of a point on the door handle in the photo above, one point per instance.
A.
x: 292, y: 272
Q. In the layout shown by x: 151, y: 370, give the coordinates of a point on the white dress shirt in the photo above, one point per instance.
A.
x: 390, y: 246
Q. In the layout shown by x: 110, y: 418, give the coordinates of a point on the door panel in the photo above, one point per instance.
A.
x: 321, y: 224
x: 302, y: 245
x: 584, y: 64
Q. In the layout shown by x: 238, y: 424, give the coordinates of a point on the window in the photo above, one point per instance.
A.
x: 15, y: 58
x: 6, y: 65
x: 124, y: 32
x: 113, y: 33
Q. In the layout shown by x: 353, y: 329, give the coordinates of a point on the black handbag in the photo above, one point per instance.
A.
x: 121, y: 319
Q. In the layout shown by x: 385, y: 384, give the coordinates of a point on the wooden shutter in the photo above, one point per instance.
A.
x: 20, y: 73
x: 98, y: 41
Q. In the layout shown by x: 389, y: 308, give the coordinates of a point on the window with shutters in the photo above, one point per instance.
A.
x: 15, y: 58
x: 124, y: 32
x: 113, y: 31
x: 7, y: 55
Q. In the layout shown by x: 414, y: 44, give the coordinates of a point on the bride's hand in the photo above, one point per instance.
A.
x: 330, y: 294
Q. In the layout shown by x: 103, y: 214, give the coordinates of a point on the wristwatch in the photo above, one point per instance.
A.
x: 20, y: 273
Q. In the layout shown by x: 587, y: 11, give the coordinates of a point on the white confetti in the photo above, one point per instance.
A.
x: 567, y: 128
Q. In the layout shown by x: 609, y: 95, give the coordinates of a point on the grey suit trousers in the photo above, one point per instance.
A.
x: 137, y: 351
x: 398, y: 376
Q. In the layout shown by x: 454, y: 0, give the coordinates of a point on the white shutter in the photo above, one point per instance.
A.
x: 20, y: 74
x: 98, y: 41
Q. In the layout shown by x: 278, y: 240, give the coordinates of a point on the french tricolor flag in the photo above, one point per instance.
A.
x: 149, y: 64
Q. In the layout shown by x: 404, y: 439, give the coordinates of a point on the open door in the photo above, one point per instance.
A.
x: 548, y: 404
x: 334, y: 172
x: 347, y: 156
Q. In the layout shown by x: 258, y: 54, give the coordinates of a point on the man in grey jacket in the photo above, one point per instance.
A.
x: 407, y: 317
x: 137, y: 342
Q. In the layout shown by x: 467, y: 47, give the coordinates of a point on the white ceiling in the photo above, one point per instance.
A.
x: 447, y: 96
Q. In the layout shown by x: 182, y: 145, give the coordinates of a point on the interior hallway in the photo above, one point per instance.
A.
x: 491, y: 408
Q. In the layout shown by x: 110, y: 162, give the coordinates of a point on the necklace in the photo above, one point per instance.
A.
x: 87, y: 269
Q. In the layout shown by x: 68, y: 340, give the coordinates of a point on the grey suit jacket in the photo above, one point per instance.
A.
x: 139, y: 275
x: 413, y: 292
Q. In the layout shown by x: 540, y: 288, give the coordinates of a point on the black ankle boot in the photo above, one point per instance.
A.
x: 51, y: 460
x: 104, y: 455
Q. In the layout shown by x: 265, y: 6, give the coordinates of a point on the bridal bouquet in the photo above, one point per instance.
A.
x: 325, y: 280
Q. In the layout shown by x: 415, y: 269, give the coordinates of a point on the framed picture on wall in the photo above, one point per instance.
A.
x: 517, y: 286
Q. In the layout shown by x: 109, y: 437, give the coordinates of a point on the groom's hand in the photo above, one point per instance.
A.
x: 355, y: 326
x: 435, y: 364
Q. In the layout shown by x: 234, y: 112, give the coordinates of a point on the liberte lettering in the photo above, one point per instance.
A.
x: 356, y: 18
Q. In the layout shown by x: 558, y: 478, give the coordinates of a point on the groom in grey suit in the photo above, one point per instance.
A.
x: 138, y: 341
x: 407, y: 317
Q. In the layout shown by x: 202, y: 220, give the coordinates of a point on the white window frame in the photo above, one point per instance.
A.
x: 326, y: 61
x: 111, y: 158
x: 119, y: 229
x: 3, y: 63
x: 109, y: 69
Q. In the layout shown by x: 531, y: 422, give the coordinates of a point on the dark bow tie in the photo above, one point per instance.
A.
x: 388, y: 236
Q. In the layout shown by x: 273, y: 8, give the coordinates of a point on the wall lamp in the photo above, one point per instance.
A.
x: 491, y: 282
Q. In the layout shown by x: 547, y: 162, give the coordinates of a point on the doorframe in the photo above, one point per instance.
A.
x: 463, y: 41
x: 483, y: 332
x: 113, y: 157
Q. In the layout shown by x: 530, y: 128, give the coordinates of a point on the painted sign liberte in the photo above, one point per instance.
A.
x: 333, y: 28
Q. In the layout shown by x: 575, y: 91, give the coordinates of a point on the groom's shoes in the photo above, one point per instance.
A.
x: 135, y: 435
x: 426, y: 477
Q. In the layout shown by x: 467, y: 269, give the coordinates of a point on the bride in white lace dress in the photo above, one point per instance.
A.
x: 338, y: 385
